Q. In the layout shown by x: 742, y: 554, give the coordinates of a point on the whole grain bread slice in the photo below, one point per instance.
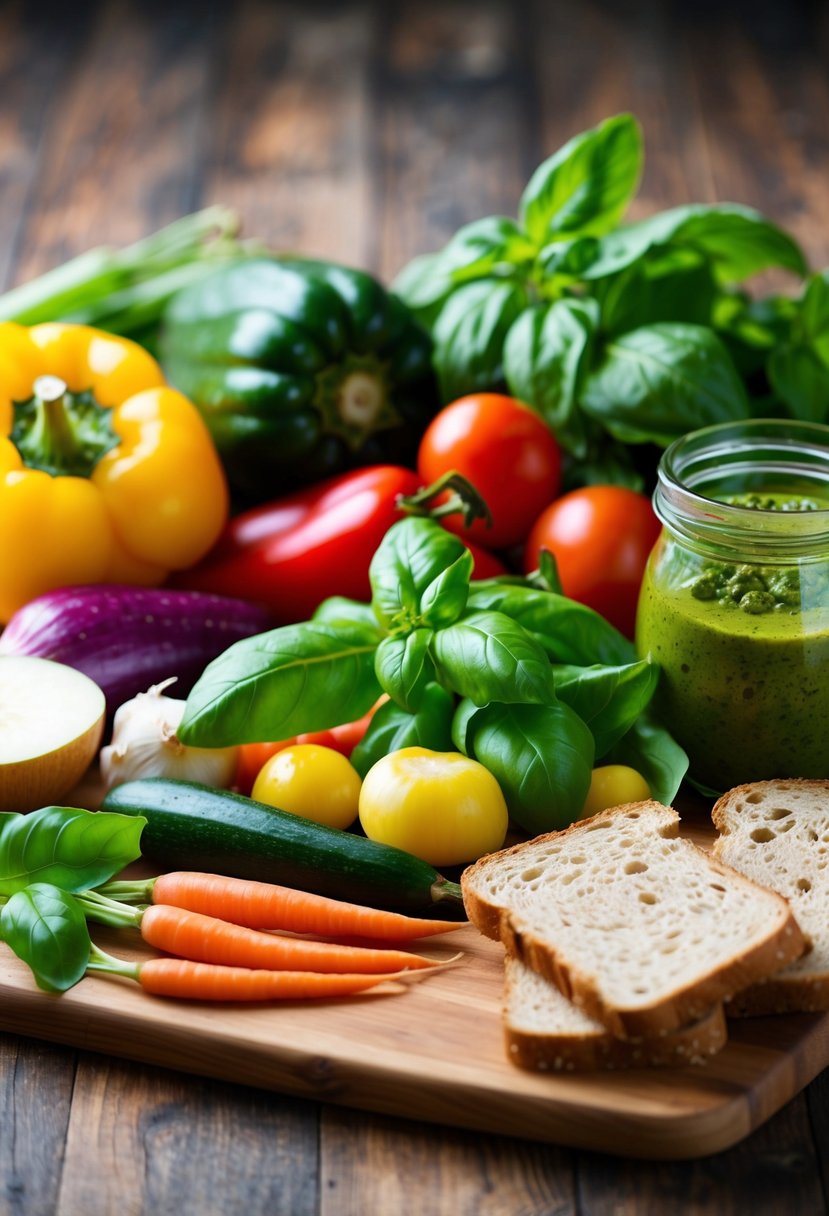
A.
x: 543, y: 1031
x: 777, y: 833
x: 639, y: 928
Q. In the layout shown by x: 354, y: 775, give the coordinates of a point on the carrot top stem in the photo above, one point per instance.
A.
x: 129, y: 891
x: 99, y: 960
x: 106, y: 911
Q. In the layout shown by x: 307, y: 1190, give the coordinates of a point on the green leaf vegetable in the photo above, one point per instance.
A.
x: 66, y: 847
x: 530, y: 683
x: 46, y: 928
x: 622, y: 334
x: 50, y: 862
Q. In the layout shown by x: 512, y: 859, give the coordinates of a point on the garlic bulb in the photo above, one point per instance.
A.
x: 145, y: 744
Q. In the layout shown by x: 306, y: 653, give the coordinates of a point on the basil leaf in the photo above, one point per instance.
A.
x: 585, y: 187
x: 813, y: 310
x: 570, y: 632
x: 275, y: 685
x: 634, y: 299
x: 542, y: 758
x: 737, y: 241
x: 46, y: 928
x: 488, y: 247
x: 469, y: 335
x: 568, y: 259
x: 608, y: 699
x: 801, y: 381
x: 546, y: 354
x: 412, y: 554
x: 489, y: 657
x: 423, y: 285
x: 70, y: 848
x: 655, y: 754
x: 339, y: 610
x: 392, y: 728
x: 661, y: 381
x: 461, y: 721
x: 404, y: 667
x: 445, y: 598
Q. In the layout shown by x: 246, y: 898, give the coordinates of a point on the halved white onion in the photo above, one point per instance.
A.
x: 51, y: 722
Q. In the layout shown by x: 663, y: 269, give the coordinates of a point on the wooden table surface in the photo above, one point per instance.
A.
x: 367, y: 132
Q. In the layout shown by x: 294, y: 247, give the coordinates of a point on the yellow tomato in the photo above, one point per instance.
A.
x: 312, y: 781
x: 439, y: 806
x: 613, y: 785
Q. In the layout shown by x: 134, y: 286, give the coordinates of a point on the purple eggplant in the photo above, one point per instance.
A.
x: 128, y: 638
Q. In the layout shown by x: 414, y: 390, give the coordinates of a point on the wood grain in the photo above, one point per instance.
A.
x: 456, y: 122
x: 291, y: 127
x: 36, y: 1082
x: 121, y: 153
x: 148, y: 1130
x: 434, y: 1052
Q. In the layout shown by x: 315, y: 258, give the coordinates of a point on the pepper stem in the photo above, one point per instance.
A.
x: 60, y: 432
x: 462, y: 499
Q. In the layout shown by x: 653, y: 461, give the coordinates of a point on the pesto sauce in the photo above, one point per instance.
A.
x: 755, y: 589
x: 744, y: 657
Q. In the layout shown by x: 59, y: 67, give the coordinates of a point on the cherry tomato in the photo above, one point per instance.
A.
x: 600, y: 537
x: 614, y: 785
x: 508, y: 453
x: 312, y: 781
x: 439, y: 806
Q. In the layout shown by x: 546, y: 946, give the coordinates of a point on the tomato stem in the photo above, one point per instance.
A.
x: 463, y: 499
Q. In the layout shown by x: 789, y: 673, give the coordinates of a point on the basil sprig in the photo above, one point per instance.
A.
x: 50, y: 860
x: 65, y: 847
x: 533, y: 685
x: 617, y: 333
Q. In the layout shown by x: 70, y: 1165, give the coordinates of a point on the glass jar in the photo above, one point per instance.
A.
x: 735, y: 601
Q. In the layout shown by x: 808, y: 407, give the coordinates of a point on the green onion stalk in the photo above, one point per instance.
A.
x: 126, y: 290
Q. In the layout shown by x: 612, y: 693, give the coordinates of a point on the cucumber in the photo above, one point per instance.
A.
x: 195, y: 827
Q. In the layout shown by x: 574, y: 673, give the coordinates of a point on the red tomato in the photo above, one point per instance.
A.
x: 600, y: 537
x: 508, y: 453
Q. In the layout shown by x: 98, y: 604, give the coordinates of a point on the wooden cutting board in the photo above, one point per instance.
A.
x: 434, y: 1052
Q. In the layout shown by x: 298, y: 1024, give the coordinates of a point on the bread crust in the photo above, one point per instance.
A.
x: 803, y: 991
x: 567, y: 1051
x: 782, y: 945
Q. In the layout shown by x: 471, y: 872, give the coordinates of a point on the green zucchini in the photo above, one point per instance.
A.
x: 194, y: 827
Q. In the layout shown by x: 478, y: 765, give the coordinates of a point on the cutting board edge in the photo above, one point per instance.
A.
x: 311, y: 1076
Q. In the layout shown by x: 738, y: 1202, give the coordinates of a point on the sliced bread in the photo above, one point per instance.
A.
x: 546, y: 1032
x: 639, y: 928
x: 777, y: 833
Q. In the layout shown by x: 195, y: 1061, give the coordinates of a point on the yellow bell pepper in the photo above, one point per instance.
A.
x: 106, y: 474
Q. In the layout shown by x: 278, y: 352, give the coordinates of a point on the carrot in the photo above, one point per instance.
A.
x: 208, y: 940
x: 210, y: 982
x: 261, y: 905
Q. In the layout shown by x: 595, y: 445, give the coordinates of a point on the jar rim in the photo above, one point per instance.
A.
x: 747, y: 454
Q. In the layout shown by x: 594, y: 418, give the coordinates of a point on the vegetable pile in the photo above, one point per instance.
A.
x: 379, y: 548
x: 509, y: 672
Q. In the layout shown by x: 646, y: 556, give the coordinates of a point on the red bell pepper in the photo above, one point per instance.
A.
x: 293, y: 553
